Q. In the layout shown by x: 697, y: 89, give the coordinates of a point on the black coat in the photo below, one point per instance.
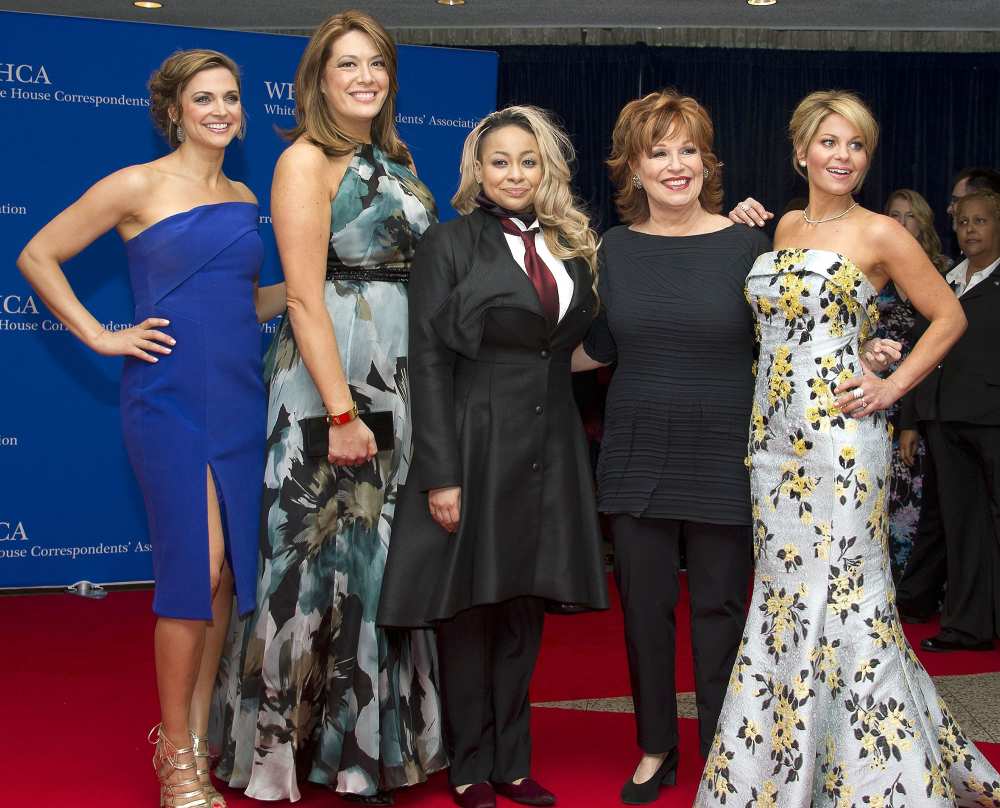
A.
x: 493, y: 412
x: 965, y: 386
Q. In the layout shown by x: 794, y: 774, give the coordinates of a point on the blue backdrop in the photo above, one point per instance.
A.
x: 73, y: 108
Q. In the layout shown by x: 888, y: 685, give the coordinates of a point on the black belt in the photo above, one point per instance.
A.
x: 363, y: 274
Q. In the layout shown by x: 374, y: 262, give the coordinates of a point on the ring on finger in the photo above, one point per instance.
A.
x: 744, y: 207
x: 858, y: 392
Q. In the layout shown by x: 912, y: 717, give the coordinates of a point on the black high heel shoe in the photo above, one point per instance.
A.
x: 634, y: 793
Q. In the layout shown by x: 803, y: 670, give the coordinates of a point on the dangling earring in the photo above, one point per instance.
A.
x: 179, y: 133
x: 636, y: 182
x: 243, y: 128
x: 706, y: 173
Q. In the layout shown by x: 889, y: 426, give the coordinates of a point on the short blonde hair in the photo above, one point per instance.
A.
x: 989, y: 197
x: 566, y: 226
x: 815, y: 108
x: 313, y: 117
x: 646, y: 121
x: 927, y: 235
x: 169, y: 80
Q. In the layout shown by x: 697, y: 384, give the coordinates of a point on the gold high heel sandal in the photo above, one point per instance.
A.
x: 203, y: 759
x: 183, y: 793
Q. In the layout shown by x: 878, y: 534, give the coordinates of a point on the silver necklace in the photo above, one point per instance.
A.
x: 829, y: 218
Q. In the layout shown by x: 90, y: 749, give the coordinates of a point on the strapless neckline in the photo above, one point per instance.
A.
x: 840, y: 255
x: 187, y: 212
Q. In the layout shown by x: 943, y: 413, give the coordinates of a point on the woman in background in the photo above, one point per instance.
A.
x: 192, y: 399
x: 319, y: 691
x: 895, y: 322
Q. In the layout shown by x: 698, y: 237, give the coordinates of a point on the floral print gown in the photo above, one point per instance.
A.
x: 827, y: 704
x: 310, y: 687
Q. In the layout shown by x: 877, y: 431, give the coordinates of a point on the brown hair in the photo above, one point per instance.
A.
x: 815, y: 108
x: 927, y: 237
x: 646, y: 121
x: 565, y: 225
x: 313, y: 117
x: 169, y: 80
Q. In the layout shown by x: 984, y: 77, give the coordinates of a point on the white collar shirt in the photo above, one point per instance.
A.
x: 957, y: 276
x: 564, y: 282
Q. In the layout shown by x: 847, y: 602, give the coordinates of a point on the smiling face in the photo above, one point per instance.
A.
x: 509, y: 167
x: 210, y: 109
x: 836, y: 159
x: 901, y: 210
x: 355, y: 82
x: 672, y: 173
x: 978, y: 231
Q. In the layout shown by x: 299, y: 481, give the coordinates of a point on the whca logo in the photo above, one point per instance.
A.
x: 18, y: 304
x: 12, y: 531
x: 23, y: 74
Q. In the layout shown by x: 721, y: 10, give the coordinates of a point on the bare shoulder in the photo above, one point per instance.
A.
x: 305, y: 163
x: 244, y: 192
x: 787, y: 225
x: 880, y: 228
x: 133, y: 182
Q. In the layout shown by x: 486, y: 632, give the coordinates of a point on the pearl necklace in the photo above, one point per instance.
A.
x: 830, y: 218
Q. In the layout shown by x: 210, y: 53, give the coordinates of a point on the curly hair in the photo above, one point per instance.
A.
x: 815, y: 108
x: 927, y: 236
x: 643, y: 123
x: 564, y: 223
x: 169, y: 80
x: 313, y: 117
x: 991, y: 198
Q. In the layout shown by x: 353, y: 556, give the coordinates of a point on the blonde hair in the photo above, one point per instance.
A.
x: 646, y: 121
x: 169, y: 80
x: 991, y: 198
x: 927, y: 236
x: 565, y: 226
x: 313, y: 117
x: 815, y: 108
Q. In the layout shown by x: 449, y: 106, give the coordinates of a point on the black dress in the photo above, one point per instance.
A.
x: 674, y: 317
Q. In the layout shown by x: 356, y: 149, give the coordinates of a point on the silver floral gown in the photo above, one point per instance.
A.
x: 827, y: 704
x: 309, y: 687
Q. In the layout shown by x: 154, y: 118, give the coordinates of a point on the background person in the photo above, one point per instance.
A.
x: 498, y: 514
x: 896, y: 316
x: 192, y: 399
x: 959, y: 406
x: 318, y: 690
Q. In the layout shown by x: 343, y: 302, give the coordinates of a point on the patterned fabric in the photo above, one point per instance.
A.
x: 827, y: 703
x: 318, y: 691
x: 896, y: 317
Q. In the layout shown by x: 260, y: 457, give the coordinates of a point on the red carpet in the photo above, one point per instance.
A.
x: 78, y: 699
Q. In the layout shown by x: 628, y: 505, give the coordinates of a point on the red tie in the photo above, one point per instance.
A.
x: 539, y: 274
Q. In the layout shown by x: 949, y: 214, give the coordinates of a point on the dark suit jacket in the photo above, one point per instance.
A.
x: 965, y: 387
x: 493, y: 412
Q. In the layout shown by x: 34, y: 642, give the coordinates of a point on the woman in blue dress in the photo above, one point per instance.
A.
x: 192, y: 400
x: 312, y: 689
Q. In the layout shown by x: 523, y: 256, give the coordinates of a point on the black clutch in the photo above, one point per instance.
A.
x: 316, y: 433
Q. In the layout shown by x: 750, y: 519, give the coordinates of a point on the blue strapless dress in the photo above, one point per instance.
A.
x: 203, y: 406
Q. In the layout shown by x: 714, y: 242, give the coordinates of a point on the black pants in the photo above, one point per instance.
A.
x: 967, y: 461
x: 486, y: 656
x: 921, y: 586
x: 719, y: 563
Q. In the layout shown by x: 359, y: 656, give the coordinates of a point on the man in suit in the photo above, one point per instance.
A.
x: 959, y: 406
